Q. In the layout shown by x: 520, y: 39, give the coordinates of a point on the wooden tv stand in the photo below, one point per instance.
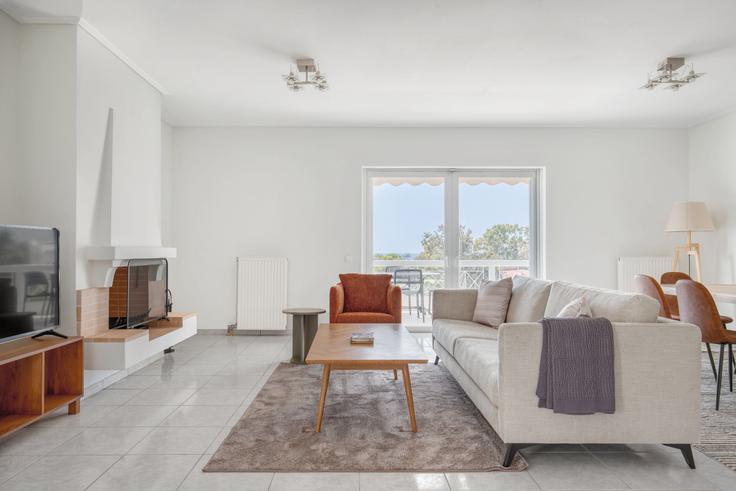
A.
x: 38, y: 376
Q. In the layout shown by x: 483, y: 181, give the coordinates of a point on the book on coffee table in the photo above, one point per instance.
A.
x: 361, y: 338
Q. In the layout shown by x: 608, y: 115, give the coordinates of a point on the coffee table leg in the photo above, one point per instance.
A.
x: 409, y: 397
x: 396, y: 376
x: 323, y: 396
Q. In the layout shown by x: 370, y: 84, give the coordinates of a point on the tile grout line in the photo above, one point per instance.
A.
x: 447, y: 480
x: 191, y: 469
x: 38, y: 457
x: 531, y: 476
x: 615, y: 474
x: 105, y: 472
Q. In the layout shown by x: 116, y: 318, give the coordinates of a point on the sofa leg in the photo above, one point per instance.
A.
x: 511, y: 449
x: 436, y: 359
x: 686, y: 450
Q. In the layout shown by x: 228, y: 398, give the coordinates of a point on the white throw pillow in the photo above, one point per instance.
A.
x: 493, y: 302
x: 577, y: 308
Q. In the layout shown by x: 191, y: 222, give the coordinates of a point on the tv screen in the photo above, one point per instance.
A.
x: 29, y: 280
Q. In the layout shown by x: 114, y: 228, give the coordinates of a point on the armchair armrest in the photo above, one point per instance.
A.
x: 394, y: 302
x: 337, y: 302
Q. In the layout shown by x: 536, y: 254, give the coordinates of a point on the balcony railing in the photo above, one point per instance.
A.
x: 471, y: 274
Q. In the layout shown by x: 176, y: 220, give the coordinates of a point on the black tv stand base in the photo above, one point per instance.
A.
x: 51, y: 333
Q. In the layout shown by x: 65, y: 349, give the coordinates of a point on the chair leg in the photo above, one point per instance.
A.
x: 712, y: 363
x: 436, y: 359
x: 720, y: 378
x: 730, y: 366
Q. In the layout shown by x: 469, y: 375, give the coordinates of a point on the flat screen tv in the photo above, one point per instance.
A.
x: 29, y: 281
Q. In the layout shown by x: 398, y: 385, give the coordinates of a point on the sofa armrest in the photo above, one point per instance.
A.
x: 453, y: 304
x: 394, y: 302
x: 337, y: 302
x: 657, y: 381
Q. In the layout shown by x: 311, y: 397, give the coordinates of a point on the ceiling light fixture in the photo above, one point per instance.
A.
x: 673, y: 73
x: 312, y: 76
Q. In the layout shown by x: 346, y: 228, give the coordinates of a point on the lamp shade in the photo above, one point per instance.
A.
x: 689, y: 216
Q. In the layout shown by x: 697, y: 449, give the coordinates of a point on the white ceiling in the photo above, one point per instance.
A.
x: 428, y: 62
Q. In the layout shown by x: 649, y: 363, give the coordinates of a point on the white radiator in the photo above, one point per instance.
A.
x: 653, y: 266
x: 261, y: 294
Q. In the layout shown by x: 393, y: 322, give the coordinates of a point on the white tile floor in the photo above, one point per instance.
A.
x: 156, y: 429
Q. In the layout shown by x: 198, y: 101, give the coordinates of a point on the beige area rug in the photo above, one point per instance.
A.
x: 365, y: 427
x: 718, y: 434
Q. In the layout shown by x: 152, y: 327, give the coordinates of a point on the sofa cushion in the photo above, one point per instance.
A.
x: 614, y: 305
x: 479, y: 359
x: 528, y: 299
x: 448, y: 331
x: 493, y: 302
x: 364, y: 318
x: 365, y: 292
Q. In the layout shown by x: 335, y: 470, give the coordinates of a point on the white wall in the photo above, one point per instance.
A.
x: 713, y: 180
x: 167, y: 189
x: 46, y: 181
x: 119, y: 145
x: 297, y: 193
x: 9, y: 46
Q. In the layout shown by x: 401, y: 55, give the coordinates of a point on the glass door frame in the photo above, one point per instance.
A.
x: 368, y: 174
x: 451, y: 176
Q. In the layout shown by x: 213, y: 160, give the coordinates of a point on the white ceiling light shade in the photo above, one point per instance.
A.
x: 312, y: 76
x: 673, y: 73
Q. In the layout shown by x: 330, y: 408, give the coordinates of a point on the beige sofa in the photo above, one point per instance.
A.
x: 656, y: 366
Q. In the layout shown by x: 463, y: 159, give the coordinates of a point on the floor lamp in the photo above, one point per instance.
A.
x: 689, y: 216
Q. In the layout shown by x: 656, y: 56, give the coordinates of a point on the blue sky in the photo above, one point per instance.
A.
x: 401, y: 214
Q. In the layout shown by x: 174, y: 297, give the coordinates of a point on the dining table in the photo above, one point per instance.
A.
x: 721, y: 292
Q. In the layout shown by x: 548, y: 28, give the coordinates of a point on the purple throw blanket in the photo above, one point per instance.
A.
x: 576, y: 367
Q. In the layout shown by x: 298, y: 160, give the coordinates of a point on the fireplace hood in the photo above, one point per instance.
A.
x: 105, y: 259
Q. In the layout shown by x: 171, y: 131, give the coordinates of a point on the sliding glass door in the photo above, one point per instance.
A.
x: 438, y: 228
x: 495, y: 233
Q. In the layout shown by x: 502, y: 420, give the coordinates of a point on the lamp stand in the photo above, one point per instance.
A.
x: 690, y: 249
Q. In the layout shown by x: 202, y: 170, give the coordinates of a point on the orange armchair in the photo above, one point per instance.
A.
x: 365, y: 299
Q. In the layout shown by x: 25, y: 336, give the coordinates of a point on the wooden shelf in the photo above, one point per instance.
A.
x: 117, y: 336
x: 157, y: 332
x: 11, y: 422
x: 156, y: 329
x: 55, y: 401
x: 174, y: 319
x: 22, y: 348
x: 38, y: 376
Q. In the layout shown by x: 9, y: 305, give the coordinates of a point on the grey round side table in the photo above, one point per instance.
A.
x: 304, y: 329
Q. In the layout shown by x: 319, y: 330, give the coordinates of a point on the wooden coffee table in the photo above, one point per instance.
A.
x: 393, y: 348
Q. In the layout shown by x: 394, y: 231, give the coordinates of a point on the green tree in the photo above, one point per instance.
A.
x: 503, y: 241
x: 433, y: 243
x: 391, y: 256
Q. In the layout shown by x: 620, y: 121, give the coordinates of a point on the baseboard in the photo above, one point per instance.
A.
x: 280, y: 332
